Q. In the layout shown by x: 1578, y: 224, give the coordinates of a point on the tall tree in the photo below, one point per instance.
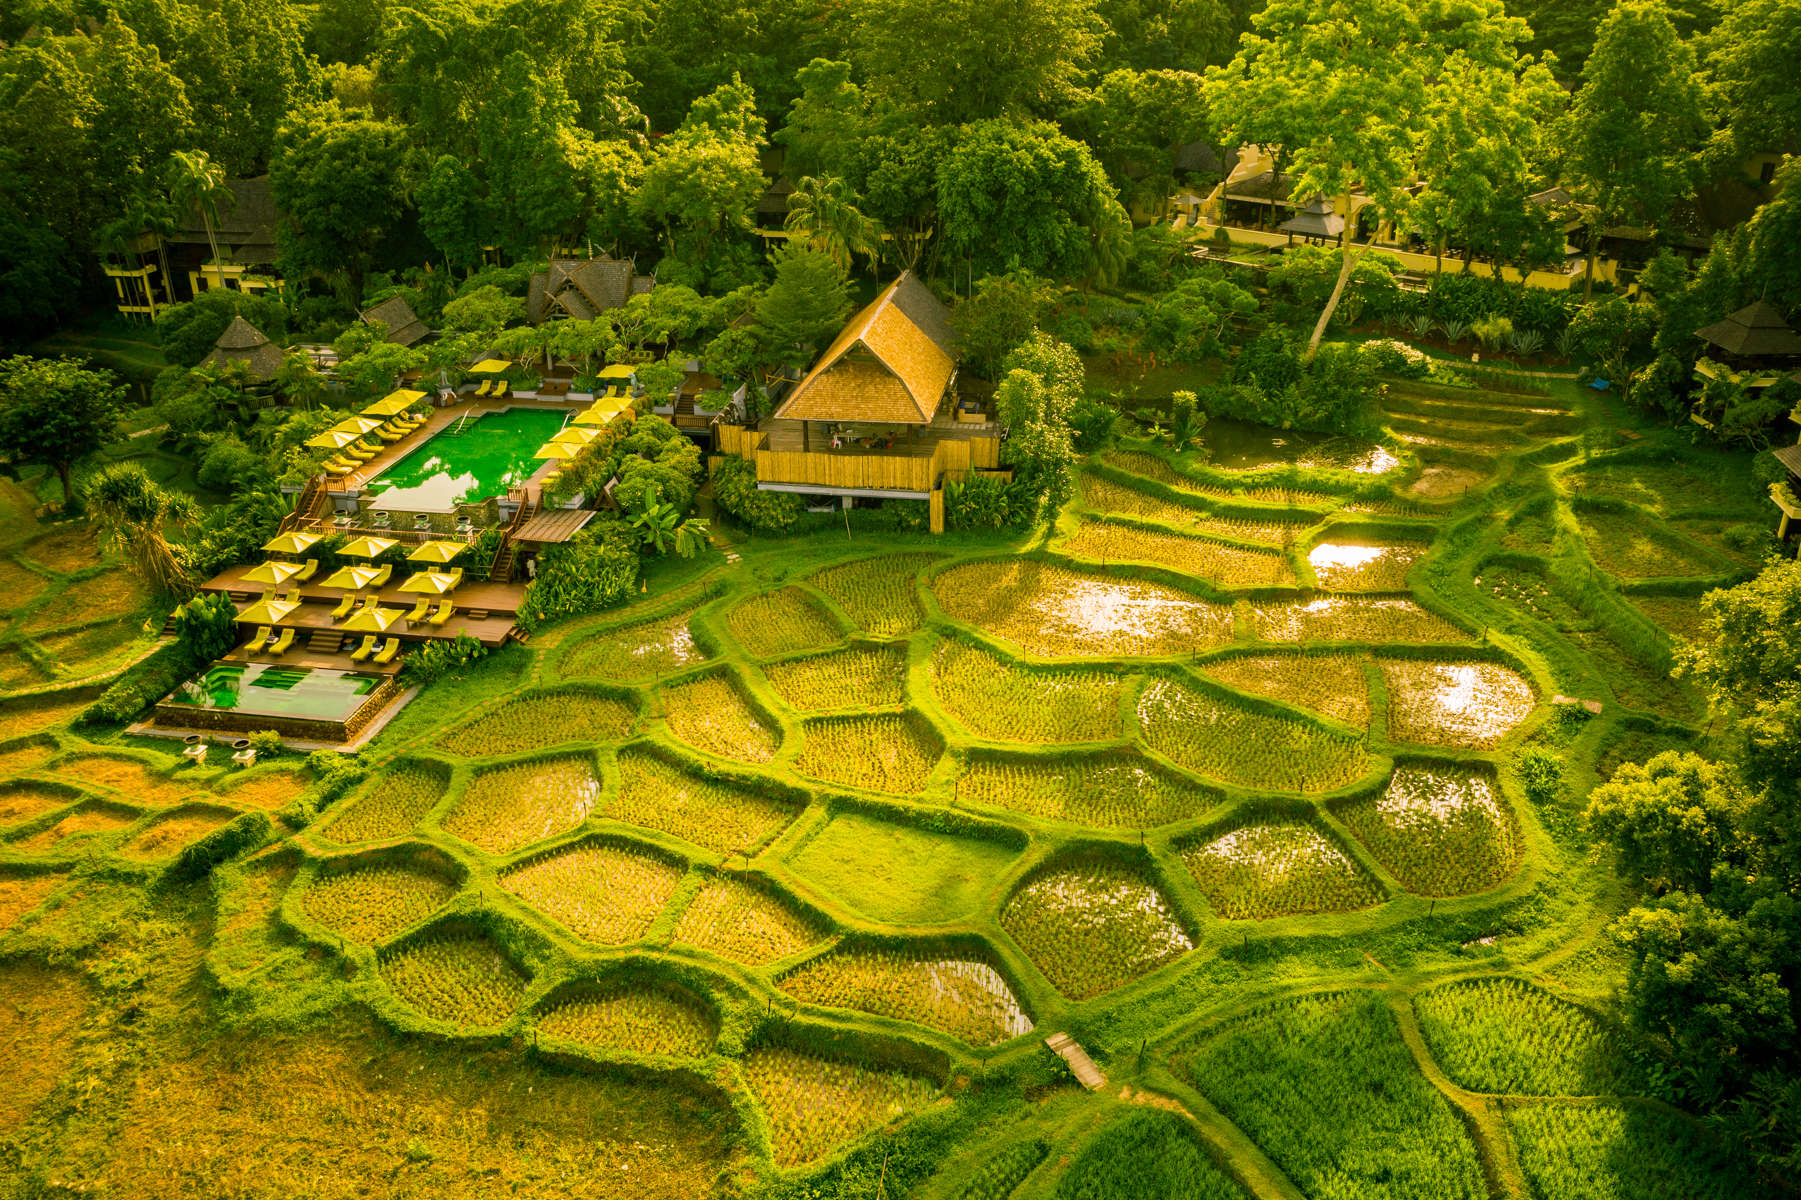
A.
x: 342, y: 183
x: 1752, y: 60
x: 133, y: 513
x: 194, y: 178
x: 805, y: 305
x: 1630, y: 138
x: 824, y: 122
x: 823, y: 214
x: 704, y: 180
x: 1135, y: 121
x: 56, y: 411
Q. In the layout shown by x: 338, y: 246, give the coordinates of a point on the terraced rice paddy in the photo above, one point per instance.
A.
x: 507, y: 808
x: 713, y: 813
x: 1622, y: 545
x: 460, y: 978
x: 1152, y: 467
x: 636, y: 653
x: 746, y: 922
x: 539, y: 721
x: 24, y: 800
x: 1333, y: 685
x: 1228, y: 566
x: 880, y: 753
x: 814, y: 1104
x: 713, y: 713
x: 878, y: 593
x: 1112, y: 790
x: 1508, y: 1037
x: 997, y: 699
x: 1440, y: 830
x: 1350, y: 619
x: 1053, y: 612
x: 1094, y: 926
x: 268, y: 789
x: 20, y: 893
x: 781, y: 623
x: 639, y: 1018
x: 1471, y: 704
x: 964, y: 997
x: 1271, y: 527
x: 130, y: 777
x: 860, y: 677
x: 373, y: 902
x: 168, y: 834
x: 1227, y: 740
x: 1278, y: 868
x: 391, y: 804
x: 1145, y: 1155
x: 1354, y: 566
x: 604, y: 892
x: 1615, y: 1152
x: 82, y: 826
x: 1678, y: 616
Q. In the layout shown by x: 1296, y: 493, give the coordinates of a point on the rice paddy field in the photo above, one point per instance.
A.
x: 772, y: 885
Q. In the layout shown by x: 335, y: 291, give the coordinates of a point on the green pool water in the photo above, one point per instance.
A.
x: 272, y: 690
x: 492, y: 454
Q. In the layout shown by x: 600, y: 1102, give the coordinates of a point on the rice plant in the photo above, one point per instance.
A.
x: 878, y: 593
x: 1440, y: 830
x: 860, y: 677
x: 373, y: 902
x: 711, y: 812
x: 1347, y: 566
x: 1629, y: 547
x: 816, y: 1104
x: 1278, y: 868
x: 1615, y: 1152
x: 509, y: 807
x: 879, y: 752
x: 745, y: 922
x: 86, y: 823
x: 169, y: 833
x: 1327, y: 1089
x: 1094, y: 926
x: 130, y: 777
x: 603, y: 892
x: 19, y: 894
x: 1152, y: 467
x: 998, y: 699
x: 1229, y: 741
x: 389, y: 805
x: 459, y: 978
x: 1470, y: 704
x: 635, y: 653
x: 1003, y: 1170
x: 1331, y: 684
x: 1366, y: 619
x: 1230, y: 567
x: 781, y: 622
x: 24, y: 800
x: 1509, y: 1037
x: 712, y: 713
x: 1145, y: 1155
x: 1052, y: 612
x: 539, y: 721
x: 637, y: 1017
x: 965, y: 997
x: 1115, y: 790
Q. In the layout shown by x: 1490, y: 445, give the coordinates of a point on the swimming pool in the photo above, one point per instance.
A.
x: 274, y: 690
x: 491, y: 454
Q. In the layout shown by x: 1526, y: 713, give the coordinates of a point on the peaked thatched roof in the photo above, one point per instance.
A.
x: 246, y: 222
x: 1754, y: 331
x: 584, y: 288
x: 404, y: 326
x: 1790, y: 457
x: 891, y: 364
x: 245, y: 344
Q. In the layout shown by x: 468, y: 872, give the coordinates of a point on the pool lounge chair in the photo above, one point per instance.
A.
x: 501, y: 389
x: 308, y: 569
x: 344, y: 606
x: 442, y: 615
x: 280, y: 646
x: 365, y: 650
x: 483, y: 389
x: 418, y: 611
x: 456, y: 576
x: 260, y: 637
x: 388, y: 651
x: 382, y: 576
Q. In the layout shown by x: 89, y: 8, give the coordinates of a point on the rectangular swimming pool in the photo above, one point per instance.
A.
x: 493, y: 453
x: 273, y: 690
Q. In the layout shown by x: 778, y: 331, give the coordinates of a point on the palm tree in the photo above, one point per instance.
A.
x: 130, y: 511
x: 194, y: 178
x: 824, y: 215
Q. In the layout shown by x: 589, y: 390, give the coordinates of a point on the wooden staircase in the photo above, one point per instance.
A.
x: 500, y: 569
x: 305, y: 503
x: 326, y: 641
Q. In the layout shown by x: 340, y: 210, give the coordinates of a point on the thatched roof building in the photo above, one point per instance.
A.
x: 244, y: 343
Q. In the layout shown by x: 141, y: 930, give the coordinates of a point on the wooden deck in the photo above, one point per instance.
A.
x: 498, y: 601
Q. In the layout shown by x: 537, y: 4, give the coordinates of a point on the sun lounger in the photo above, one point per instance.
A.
x: 501, y: 389
x: 261, y: 636
x: 483, y: 389
x: 388, y: 651
x: 418, y: 611
x: 281, y: 644
x: 382, y: 576
x: 389, y: 434
x: 365, y: 650
x: 443, y: 613
x: 456, y: 576
x: 308, y: 569
x: 344, y: 606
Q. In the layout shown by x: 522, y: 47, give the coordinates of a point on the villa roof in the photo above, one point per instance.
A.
x: 244, y: 343
x: 891, y: 363
x: 584, y: 288
x: 1315, y: 219
x: 1755, y: 331
x: 404, y: 326
x: 246, y: 223
x: 1790, y: 457
x: 557, y: 525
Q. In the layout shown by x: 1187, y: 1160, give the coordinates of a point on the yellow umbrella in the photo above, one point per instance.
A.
x: 394, y: 403
x: 367, y: 547
x: 490, y: 366
x: 594, y: 415
x: 372, y: 620
x: 437, y: 552
x: 291, y: 543
x: 267, y: 612
x: 332, y: 439
x: 350, y: 579
x: 356, y: 425
x: 273, y: 571
x: 556, y: 451
x: 429, y: 583
x: 617, y: 371
x: 573, y: 436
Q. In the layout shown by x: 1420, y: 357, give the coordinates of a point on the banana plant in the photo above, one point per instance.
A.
x: 691, y: 538
x: 657, y: 526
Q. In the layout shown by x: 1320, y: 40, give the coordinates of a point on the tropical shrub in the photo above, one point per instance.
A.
x: 589, y: 572
x: 735, y: 489
x: 438, y: 657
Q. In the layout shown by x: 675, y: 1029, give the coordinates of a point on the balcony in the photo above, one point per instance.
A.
x: 909, y: 468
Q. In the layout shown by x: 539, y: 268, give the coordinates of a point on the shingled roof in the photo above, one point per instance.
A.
x: 246, y: 222
x: 404, y: 326
x: 584, y: 288
x: 245, y: 344
x: 1754, y: 331
x: 890, y: 365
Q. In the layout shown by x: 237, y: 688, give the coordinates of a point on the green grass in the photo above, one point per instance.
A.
x: 898, y: 874
x: 1509, y: 1037
x: 1618, y: 1153
x: 1145, y: 1155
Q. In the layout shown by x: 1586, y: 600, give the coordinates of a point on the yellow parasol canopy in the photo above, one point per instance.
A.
x: 367, y: 547
x: 429, y: 583
x: 274, y: 571
x: 350, y: 579
x: 594, y: 415
x: 332, y: 439
x: 394, y: 403
x: 490, y: 366
x: 356, y: 425
x: 372, y: 620
x: 617, y: 371
x: 574, y: 436
x: 291, y: 543
x: 267, y: 612
x: 556, y: 451
x: 437, y: 552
